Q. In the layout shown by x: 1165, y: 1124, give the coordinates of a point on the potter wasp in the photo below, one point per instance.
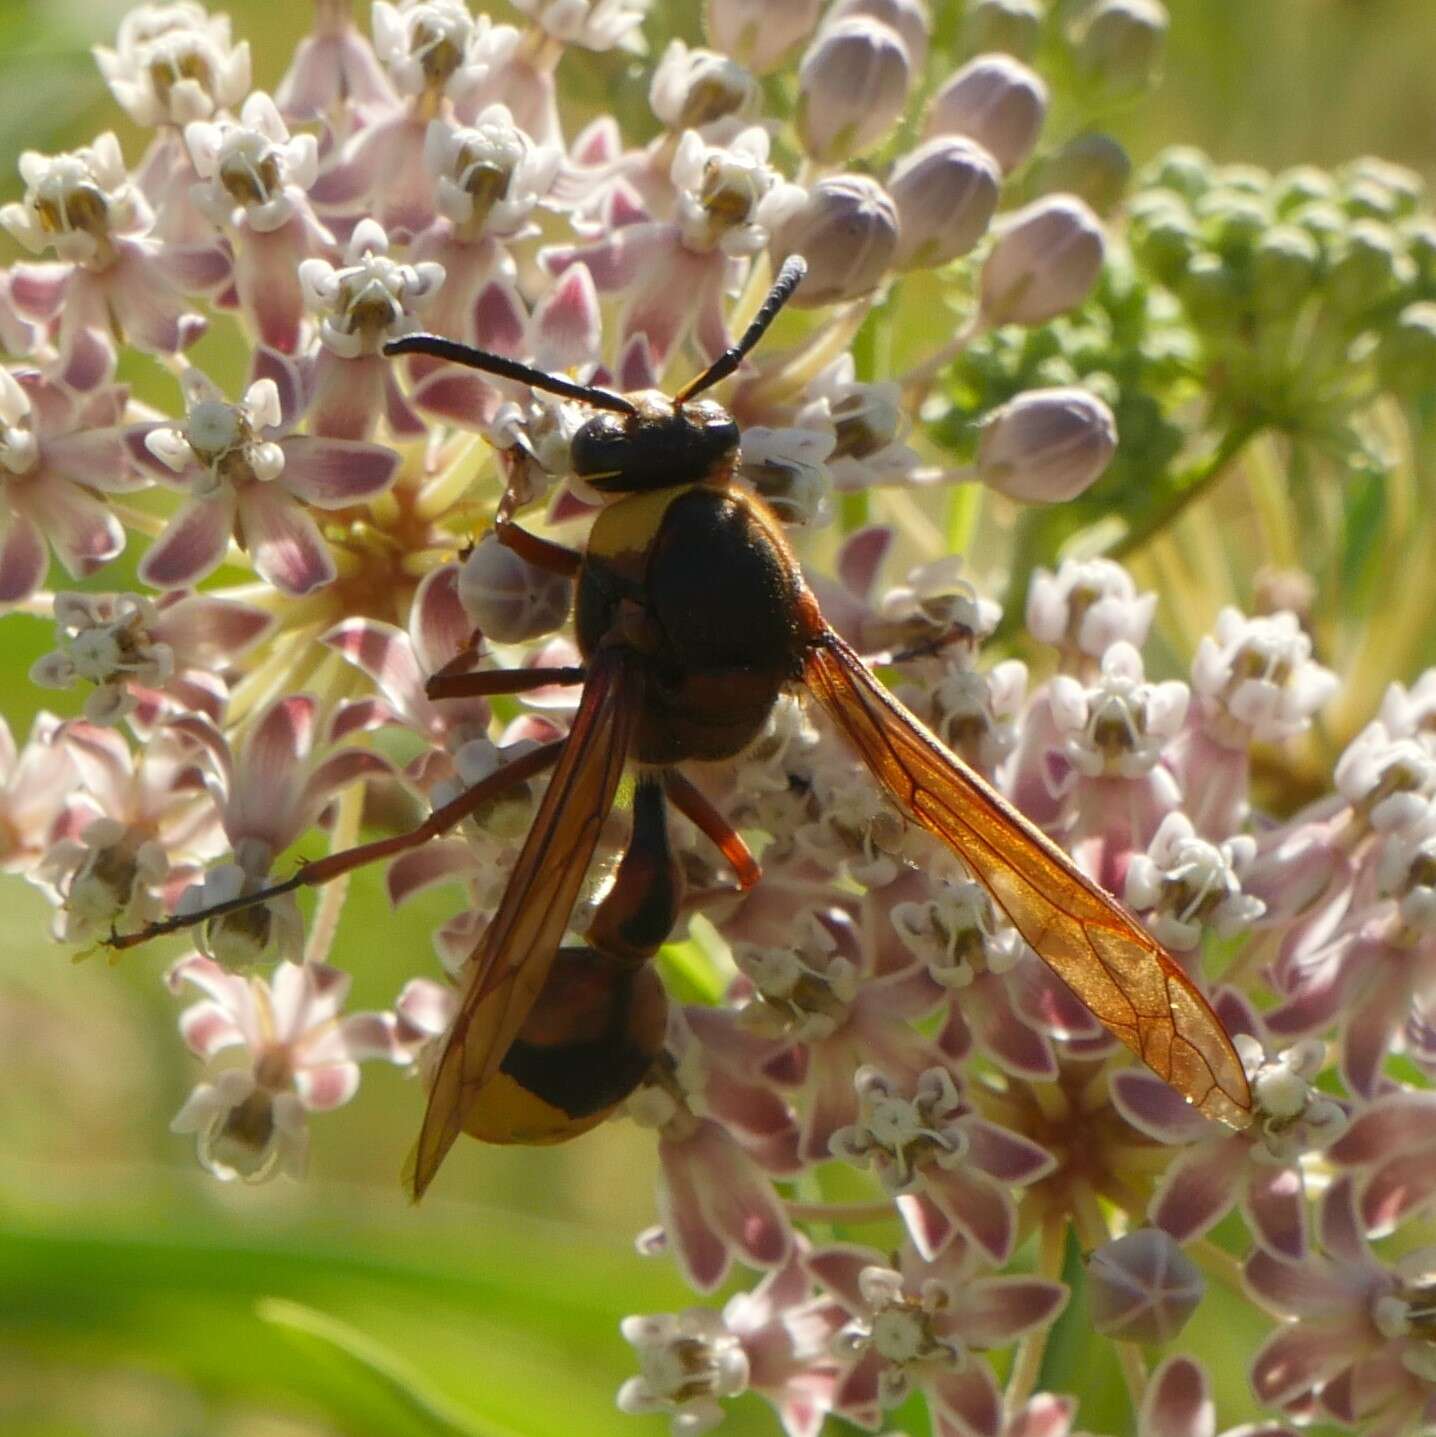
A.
x: 692, y: 618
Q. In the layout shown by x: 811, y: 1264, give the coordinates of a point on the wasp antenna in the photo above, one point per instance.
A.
x: 789, y: 278
x: 465, y: 354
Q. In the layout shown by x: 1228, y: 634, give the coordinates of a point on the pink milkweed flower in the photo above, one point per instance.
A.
x: 923, y: 1328
x: 361, y: 306
x: 1373, y: 976
x: 252, y: 176
x: 246, y: 476
x: 1389, y: 1150
x: 334, y: 73
x: 1356, y: 1348
x: 437, y: 55
x: 1113, y: 734
x: 715, y: 1201
x: 114, y: 276
x: 57, y: 449
x: 299, y: 1056
x: 1260, y: 1168
x: 1082, y: 610
x: 946, y: 1167
x: 590, y: 24
x: 773, y: 1341
x: 818, y: 992
x: 149, y: 827
x: 268, y: 794
x: 1178, y: 1403
x: 673, y: 273
x: 1255, y: 682
x: 171, y: 65
x: 1185, y: 886
x: 137, y: 653
x: 1000, y: 995
x: 39, y: 802
x: 401, y: 662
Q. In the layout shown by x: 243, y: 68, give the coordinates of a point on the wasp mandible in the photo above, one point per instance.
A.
x: 692, y: 618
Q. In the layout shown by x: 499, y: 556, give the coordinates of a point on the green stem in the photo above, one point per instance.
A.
x: 1197, y: 481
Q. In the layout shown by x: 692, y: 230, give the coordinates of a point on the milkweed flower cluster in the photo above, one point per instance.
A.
x: 879, y: 1029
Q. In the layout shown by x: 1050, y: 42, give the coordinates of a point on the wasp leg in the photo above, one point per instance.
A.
x: 541, y: 553
x: 498, y: 681
x: 333, y: 865
x: 693, y: 804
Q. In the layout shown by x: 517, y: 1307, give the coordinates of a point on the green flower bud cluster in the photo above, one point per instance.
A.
x: 1308, y: 290
x: 1128, y: 345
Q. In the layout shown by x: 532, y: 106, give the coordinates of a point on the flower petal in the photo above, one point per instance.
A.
x: 335, y: 473
x: 283, y: 541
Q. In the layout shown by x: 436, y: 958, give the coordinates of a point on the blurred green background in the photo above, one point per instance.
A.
x: 139, y: 1297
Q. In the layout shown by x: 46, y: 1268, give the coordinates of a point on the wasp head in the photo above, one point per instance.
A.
x: 661, y: 443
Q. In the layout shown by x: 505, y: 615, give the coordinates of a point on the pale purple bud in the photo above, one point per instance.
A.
x: 1121, y: 44
x: 758, y: 33
x: 847, y: 230
x: 946, y: 194
x: 1047, y: 445
x: 996, y: 101
x: 1011, y: 26
x: 1045, y: 262
x: 853, y: 85
x: 909, y: 18
x: 509, y: 599
x: 1142, y: 1287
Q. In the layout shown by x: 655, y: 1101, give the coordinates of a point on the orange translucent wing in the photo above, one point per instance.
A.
x: 513, y: 958
x: 1098, y: 949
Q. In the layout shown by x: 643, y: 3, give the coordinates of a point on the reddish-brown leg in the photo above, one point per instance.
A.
x: 541, y: 553
x: 498, y: 681
x: 695, y: 807
x: 332, y: 865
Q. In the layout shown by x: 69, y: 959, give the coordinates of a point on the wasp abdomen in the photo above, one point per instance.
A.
x: 593, y: 1034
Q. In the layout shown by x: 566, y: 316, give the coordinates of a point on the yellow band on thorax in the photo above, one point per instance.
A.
x: 626, y: 528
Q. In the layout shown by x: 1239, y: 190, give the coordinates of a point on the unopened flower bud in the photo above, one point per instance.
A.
x: 1368, y: 270
x: 1285, y: 266
x: 1406, y: 355
x: 1164, y: 235
x: 1047, y: 445
x: 1299, y: 186
x: 909, y: 18
x: 758, y: 33
x: 996, y: 101
x: 1182, y: 168
x: 853, y: 86
x: 1121, y: 44
x: 1142, y: 1287
x: 509, y: 599
x: 1045, y: 261
x: 946, y: 194
x: 1011, y: 27
x: 847, y: 230
x: 1092, y: 166
x: 1211, y: 292
x: 1419, y: 236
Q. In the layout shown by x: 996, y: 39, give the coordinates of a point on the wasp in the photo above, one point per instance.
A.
x: 692, y: 618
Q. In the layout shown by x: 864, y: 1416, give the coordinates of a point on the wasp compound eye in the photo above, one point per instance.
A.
x: 600, y: 447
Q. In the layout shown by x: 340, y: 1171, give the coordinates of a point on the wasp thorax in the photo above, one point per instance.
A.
x: 656, y: 446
